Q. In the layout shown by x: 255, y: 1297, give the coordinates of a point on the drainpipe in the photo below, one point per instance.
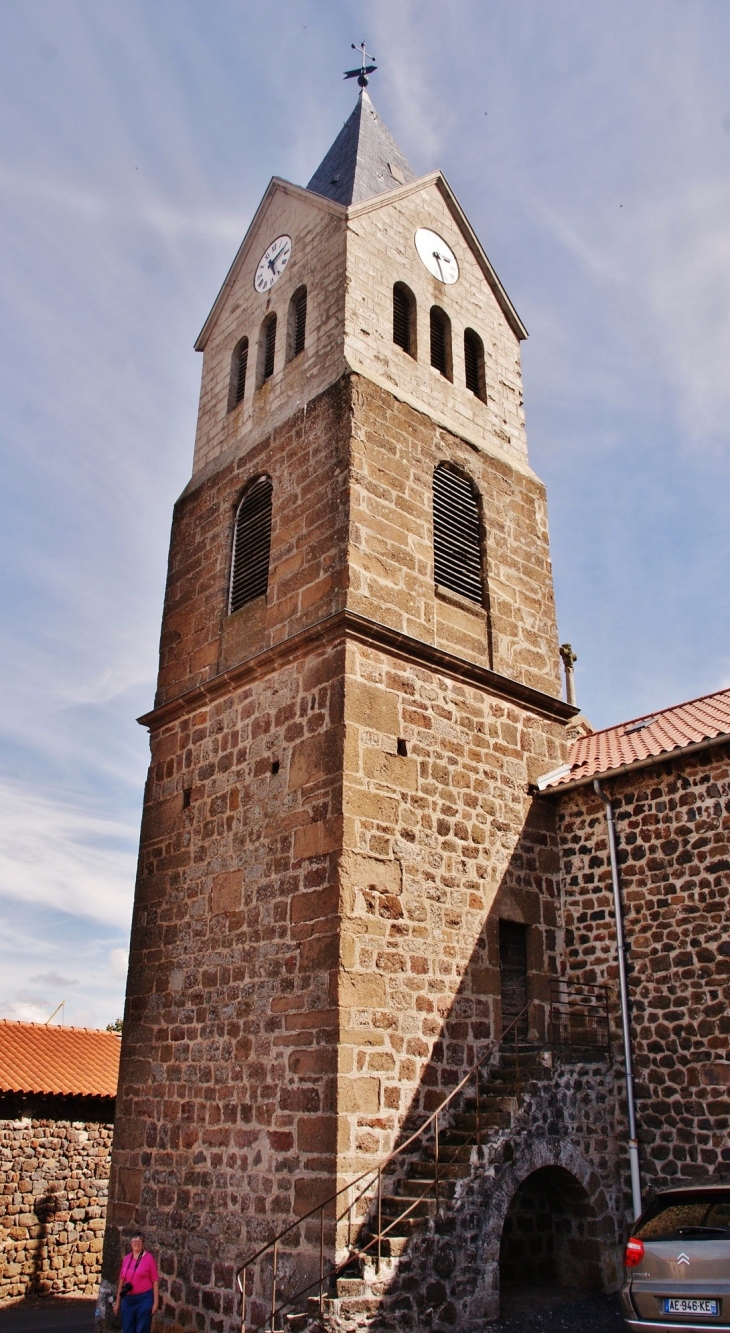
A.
x: 624, y: 989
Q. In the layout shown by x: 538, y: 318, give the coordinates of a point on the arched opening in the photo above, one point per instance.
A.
x: 440, y: 325
x: 297, y: 331
x: 474, y: 364
x: 457, y: 535
x: 267, y: 349
x: 404, y: 318
x: 239, y: 366
x: 550, y: 1248
x: 251, y: 545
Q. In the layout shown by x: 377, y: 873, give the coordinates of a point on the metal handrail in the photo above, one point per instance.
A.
x: 374, y: 1174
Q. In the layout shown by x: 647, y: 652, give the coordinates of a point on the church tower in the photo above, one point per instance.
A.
x: 359, y: 681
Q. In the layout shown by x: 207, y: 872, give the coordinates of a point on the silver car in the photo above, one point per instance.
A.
x: 677, y: 1263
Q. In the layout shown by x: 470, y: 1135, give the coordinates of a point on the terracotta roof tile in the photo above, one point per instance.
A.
x: 82, y: 1062
x: 648, y: 737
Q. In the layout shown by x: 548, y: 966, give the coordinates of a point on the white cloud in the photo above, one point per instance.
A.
x: 118, y: 962
x: 27, y: 1011
x: 59, y: 856
x: 53, y: 979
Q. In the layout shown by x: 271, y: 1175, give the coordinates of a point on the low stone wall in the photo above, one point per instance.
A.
x: 673, y: 838
x: 54, y: 1178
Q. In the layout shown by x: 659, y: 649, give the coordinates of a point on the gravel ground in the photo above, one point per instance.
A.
x: 593, y: 1314
x: 50, y: 1314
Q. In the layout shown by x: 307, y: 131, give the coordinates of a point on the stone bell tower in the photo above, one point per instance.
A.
x: 359, y: 678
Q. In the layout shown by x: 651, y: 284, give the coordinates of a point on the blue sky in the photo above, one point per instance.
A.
x: 590, y: 147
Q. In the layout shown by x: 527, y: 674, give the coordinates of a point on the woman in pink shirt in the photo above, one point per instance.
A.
x: 138, y: 1292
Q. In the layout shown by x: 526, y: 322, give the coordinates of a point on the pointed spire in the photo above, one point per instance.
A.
x: 363, y: 161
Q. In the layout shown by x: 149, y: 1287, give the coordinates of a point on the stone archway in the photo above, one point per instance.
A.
x: 493, y: 1196
x: 551, y: 1238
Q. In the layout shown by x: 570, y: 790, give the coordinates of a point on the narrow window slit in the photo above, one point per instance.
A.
x: 404, y: 318
x: 440, y: 341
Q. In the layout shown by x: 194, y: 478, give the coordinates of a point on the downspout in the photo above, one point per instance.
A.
x: 624, y: 989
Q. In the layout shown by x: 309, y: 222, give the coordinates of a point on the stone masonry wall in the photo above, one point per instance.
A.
x: 395, y: 451
x: 54, y: 1177
x: 225, y: 1115
x: 307, y: 462
x: 673, y: 831
x: 440, y: 840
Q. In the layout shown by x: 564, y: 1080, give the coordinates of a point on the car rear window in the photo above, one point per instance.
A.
x: 691, y: 1216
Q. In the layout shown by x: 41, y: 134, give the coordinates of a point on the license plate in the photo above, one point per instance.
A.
x: 688, y: 1305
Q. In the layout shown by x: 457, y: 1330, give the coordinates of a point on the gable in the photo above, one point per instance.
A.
x: 458, y: 219
x: 283, y: 204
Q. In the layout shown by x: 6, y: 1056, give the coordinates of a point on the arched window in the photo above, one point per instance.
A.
x: 267, y: 349
x: 251, y: 544
x: 239, y: 366
x: 404, y: 318
x: 457, y: 553
x: 474, y: 364
x: 297, y: 323
x: 441, y: 341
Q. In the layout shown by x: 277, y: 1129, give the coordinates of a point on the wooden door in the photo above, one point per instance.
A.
x: 513, y: 974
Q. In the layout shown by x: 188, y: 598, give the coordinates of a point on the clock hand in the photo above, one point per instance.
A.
x: 272, y: 261
x: 437, y: 257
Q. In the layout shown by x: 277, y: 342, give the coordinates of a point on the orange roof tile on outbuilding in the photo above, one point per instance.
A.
x: 644, y: 740
x: 74, y: 1062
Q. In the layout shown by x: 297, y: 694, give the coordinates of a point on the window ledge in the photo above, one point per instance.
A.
x: 457, y: 599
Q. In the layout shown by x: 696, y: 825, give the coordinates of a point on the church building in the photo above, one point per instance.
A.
x: 372, y: 1029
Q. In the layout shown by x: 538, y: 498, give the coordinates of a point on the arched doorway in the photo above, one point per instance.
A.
x: 550, y: 1247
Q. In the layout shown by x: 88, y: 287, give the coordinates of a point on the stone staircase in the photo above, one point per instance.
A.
x: 465, y: 1142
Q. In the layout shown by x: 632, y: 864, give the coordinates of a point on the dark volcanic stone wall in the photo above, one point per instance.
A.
x: 673, y: 829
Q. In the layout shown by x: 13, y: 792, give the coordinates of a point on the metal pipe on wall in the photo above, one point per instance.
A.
x: 624, y: 990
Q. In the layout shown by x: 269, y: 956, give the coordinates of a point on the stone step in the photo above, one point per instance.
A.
x: 501, y: 1098
x: 489, y: 1118
x: 414, y: 1188
x: 458, y: 1152
x: 391, y: 1247
x: 394, y: 1205
x: 447, y: 1171
x: 298, y: 1321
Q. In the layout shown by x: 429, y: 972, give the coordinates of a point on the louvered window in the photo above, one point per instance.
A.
x: 251, y: 544
x: 440, y: 342
x: 456, y: 539
x: 474, y: 363
x: 299, y: 302
x: 403, y: 311
x: 238, y: 372
x: 269, y: 348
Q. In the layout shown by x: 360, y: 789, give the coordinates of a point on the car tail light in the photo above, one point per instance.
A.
x: 634, y: 1252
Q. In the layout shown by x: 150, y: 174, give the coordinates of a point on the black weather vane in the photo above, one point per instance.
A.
x: 361, y: 74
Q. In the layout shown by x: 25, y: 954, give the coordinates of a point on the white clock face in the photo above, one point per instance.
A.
x: 438, y: 257
x: 272, y: 263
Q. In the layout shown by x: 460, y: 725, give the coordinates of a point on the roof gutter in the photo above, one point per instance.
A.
x: 651, y: 762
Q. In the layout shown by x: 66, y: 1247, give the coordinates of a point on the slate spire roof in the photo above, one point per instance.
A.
x: 363, y: 161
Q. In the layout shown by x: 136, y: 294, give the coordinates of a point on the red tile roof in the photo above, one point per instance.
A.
x: 644, y: 738
x: 82, y: 1062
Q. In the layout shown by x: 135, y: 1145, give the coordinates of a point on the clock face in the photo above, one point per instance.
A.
x: 272, y: 263
x: 438, y: 257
